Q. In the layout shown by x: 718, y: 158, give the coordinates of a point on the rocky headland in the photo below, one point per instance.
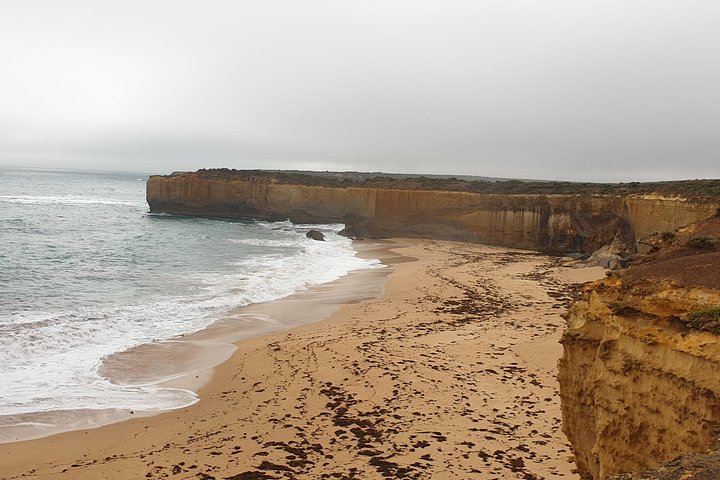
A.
x: 542, y: 216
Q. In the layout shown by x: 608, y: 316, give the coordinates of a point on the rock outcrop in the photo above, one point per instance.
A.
x: 537, y: 221
x: 349, y: 232
x: 315, y: 235
x: 638, y: 379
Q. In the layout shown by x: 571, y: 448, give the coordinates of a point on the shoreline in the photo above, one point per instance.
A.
x: 187, y: 362
x: 450, y: 373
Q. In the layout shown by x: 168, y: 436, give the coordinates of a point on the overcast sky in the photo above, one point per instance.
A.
x: 606, y: 90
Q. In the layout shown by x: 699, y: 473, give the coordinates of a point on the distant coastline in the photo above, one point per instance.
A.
x: 559, y: 217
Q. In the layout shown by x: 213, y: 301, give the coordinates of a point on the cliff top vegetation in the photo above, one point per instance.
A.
x: 698, y: 190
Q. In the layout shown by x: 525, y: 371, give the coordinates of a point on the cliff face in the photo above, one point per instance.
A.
x: 561, y: 223
x: 260, y: 198
x: 638, y: 378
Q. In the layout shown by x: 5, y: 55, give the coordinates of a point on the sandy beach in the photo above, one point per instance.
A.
x: 448, y: 373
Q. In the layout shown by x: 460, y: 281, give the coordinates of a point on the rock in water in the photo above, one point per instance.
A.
x: 348, y: 232
x: 315, y: 235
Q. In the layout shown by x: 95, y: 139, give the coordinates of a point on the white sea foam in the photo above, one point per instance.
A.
x: 61, y: 200
x: 85, y: 273
x: 51, y: 359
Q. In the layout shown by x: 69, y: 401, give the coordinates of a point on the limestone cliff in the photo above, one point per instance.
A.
x: 639, y: 377
x: 375, y: 209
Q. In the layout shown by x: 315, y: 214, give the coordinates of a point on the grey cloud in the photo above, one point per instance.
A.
x: 597, y: 90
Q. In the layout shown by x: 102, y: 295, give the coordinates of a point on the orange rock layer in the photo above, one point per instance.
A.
x: 560, y: 223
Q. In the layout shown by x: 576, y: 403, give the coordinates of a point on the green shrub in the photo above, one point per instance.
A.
x: 667, y: 236
x: 707, y: 319
x: 703, y: 242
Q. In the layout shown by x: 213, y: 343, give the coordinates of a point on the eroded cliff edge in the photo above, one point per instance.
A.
x: 541, y: 216
x: 639, y: 377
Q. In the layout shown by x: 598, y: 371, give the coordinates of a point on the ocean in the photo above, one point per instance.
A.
x: 86, y: 272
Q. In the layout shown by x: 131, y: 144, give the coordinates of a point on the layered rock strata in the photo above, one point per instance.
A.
x: 639, y: 377
x: 545, y: 222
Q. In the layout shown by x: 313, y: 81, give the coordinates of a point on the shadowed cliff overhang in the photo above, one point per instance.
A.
x: 545, y: 216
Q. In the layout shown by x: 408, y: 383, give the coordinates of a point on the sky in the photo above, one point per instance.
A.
x: 592, y: 90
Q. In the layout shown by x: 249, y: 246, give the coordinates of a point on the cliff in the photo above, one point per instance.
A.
x: 542, y: 218
x: 638, y: 378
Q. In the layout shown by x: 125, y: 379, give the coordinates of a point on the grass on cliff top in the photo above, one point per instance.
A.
x: 706, y: 319
x: 703, y: 242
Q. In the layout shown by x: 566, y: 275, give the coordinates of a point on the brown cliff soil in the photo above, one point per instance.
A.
x: 638, y: 381
x: 690, y: 257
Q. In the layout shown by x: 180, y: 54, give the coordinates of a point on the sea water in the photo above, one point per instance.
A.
x: 86, y: 272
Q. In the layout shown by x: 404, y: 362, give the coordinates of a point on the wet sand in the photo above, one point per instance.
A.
x: 187, y: 362
x: 450, y: 373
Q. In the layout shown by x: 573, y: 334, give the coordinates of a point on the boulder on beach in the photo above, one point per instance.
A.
x: 614, y: 255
